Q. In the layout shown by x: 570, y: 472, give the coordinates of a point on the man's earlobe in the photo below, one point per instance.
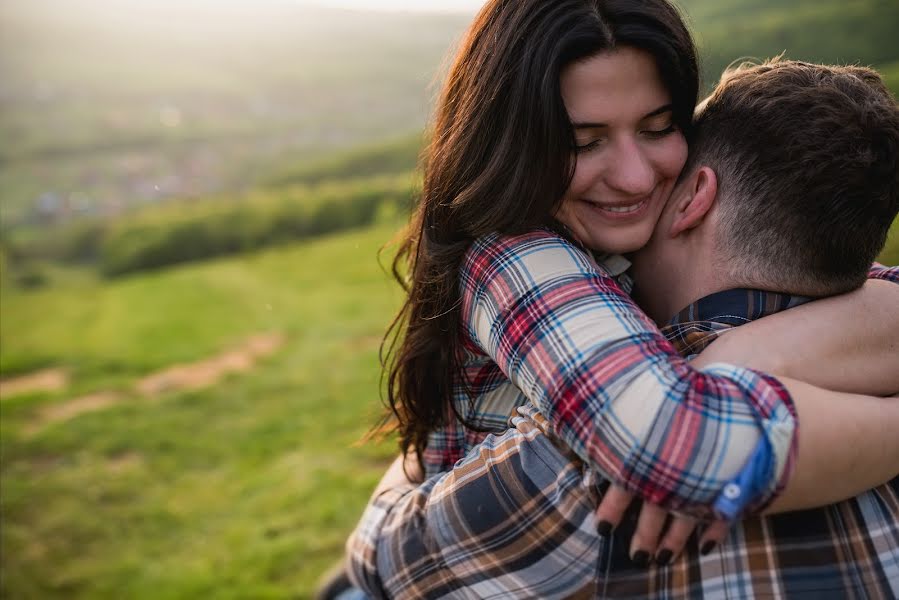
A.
x: 699, y: 195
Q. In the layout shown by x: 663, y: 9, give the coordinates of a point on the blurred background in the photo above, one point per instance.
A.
x: 192, y: 198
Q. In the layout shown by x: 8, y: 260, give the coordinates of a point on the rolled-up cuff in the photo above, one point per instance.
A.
x: 768, y: 468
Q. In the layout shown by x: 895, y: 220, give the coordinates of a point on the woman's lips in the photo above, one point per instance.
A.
x: 619, y: 211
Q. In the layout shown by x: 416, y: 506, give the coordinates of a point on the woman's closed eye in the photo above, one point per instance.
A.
x: 653, y: 131
x: 588, y: 145
x: 659, y: 133
x: 658, y: 125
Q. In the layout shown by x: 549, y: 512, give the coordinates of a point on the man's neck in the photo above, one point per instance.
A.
x: 662, y: 292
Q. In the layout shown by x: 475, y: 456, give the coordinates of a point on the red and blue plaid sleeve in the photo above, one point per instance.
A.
x: 720, y: 441
x: 879, y: 271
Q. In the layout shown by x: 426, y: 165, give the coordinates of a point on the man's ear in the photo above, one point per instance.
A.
x: 697, y: 198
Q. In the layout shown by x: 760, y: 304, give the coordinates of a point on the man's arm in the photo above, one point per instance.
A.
x: 401, y: 473
x: 513, y: 518
x: 846, y: 343
x: 396, y: 486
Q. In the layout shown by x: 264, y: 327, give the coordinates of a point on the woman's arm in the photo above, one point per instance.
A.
x: 614, y: 390
x: 846, y: 343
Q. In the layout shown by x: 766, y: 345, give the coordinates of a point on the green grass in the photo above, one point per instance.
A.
x: 890, y: 254
x: 243, y: 490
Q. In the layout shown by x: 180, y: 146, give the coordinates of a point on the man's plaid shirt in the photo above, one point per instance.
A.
x: 515, y: 519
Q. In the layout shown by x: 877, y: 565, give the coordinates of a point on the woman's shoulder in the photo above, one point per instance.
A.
x: 540, y: 236
x: 501, y: 248
x: 540, y: 250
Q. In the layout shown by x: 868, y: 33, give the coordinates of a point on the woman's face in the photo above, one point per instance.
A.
x: 628, y: 150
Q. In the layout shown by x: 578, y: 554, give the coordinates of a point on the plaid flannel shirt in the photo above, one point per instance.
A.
x: 515, y: 519
x: 540, y: 315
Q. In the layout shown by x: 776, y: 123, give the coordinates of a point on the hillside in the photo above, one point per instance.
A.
x: 829, y: 31
x: 198, y: 438
x: 107, y: 105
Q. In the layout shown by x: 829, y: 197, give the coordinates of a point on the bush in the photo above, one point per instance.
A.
x: 385, y: 158
x: 76, y: 243
x: 188, y: 232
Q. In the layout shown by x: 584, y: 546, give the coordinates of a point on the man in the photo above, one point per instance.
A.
x: 785, y: 238
x: 791, y: 187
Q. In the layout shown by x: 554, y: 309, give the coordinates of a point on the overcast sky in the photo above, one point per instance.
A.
x: 467, y: 6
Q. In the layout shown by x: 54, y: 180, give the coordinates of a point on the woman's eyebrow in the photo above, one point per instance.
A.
x: 659, y: 111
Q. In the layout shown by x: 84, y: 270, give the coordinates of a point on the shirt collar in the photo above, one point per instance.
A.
x: 736, y: 307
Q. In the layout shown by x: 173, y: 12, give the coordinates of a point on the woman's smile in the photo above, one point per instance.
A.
x: 620, y: 211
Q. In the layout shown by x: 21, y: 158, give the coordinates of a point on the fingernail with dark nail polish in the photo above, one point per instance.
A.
x: 641, y: 558
x: 664, y: 557
x: 707, y: 548
x: 604, y: 528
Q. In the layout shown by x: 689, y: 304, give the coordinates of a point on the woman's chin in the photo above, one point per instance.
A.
x: 618, y: 240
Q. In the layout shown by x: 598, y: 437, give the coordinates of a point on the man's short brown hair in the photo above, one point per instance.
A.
x: 807, y: 158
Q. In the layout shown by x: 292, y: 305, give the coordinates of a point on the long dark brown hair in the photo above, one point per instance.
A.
x: 500, y: 160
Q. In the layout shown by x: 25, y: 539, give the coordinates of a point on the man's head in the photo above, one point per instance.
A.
x: 802, y: 164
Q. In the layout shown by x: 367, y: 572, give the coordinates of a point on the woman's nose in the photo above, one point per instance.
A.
x: 630, y: 171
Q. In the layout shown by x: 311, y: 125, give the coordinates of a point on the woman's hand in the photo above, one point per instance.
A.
x: 649, y: 540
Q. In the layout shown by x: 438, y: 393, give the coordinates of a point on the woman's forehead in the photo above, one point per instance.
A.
x: 621, y: 86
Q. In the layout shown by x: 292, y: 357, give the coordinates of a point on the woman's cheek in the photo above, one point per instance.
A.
x: 678, y: 155
x: 585, y: 173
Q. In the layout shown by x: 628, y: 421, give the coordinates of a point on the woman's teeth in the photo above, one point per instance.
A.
x: 624, y: 209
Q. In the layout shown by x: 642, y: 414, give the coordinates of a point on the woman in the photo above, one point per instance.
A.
x: 506, y: 201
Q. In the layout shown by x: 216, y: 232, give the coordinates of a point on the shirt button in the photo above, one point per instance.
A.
x: 732, y: 491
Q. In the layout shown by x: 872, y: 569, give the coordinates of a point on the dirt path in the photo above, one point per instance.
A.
x: 48, y: 380
x: 205, y: 373
x: 58, y: 413
x: 190, y: 376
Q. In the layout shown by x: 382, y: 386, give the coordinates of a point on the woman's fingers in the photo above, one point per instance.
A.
x: 650, y: 524
x: 649, y: 528
x: 713, y: 535
x: 675, y: 539
x: 611, y: 509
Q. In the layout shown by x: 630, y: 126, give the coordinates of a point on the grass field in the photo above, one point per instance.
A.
x: 245, y: 489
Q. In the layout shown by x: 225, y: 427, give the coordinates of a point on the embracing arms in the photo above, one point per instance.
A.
x: 617, y: 394
x: 847, y: 343
x: 613, y: 388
